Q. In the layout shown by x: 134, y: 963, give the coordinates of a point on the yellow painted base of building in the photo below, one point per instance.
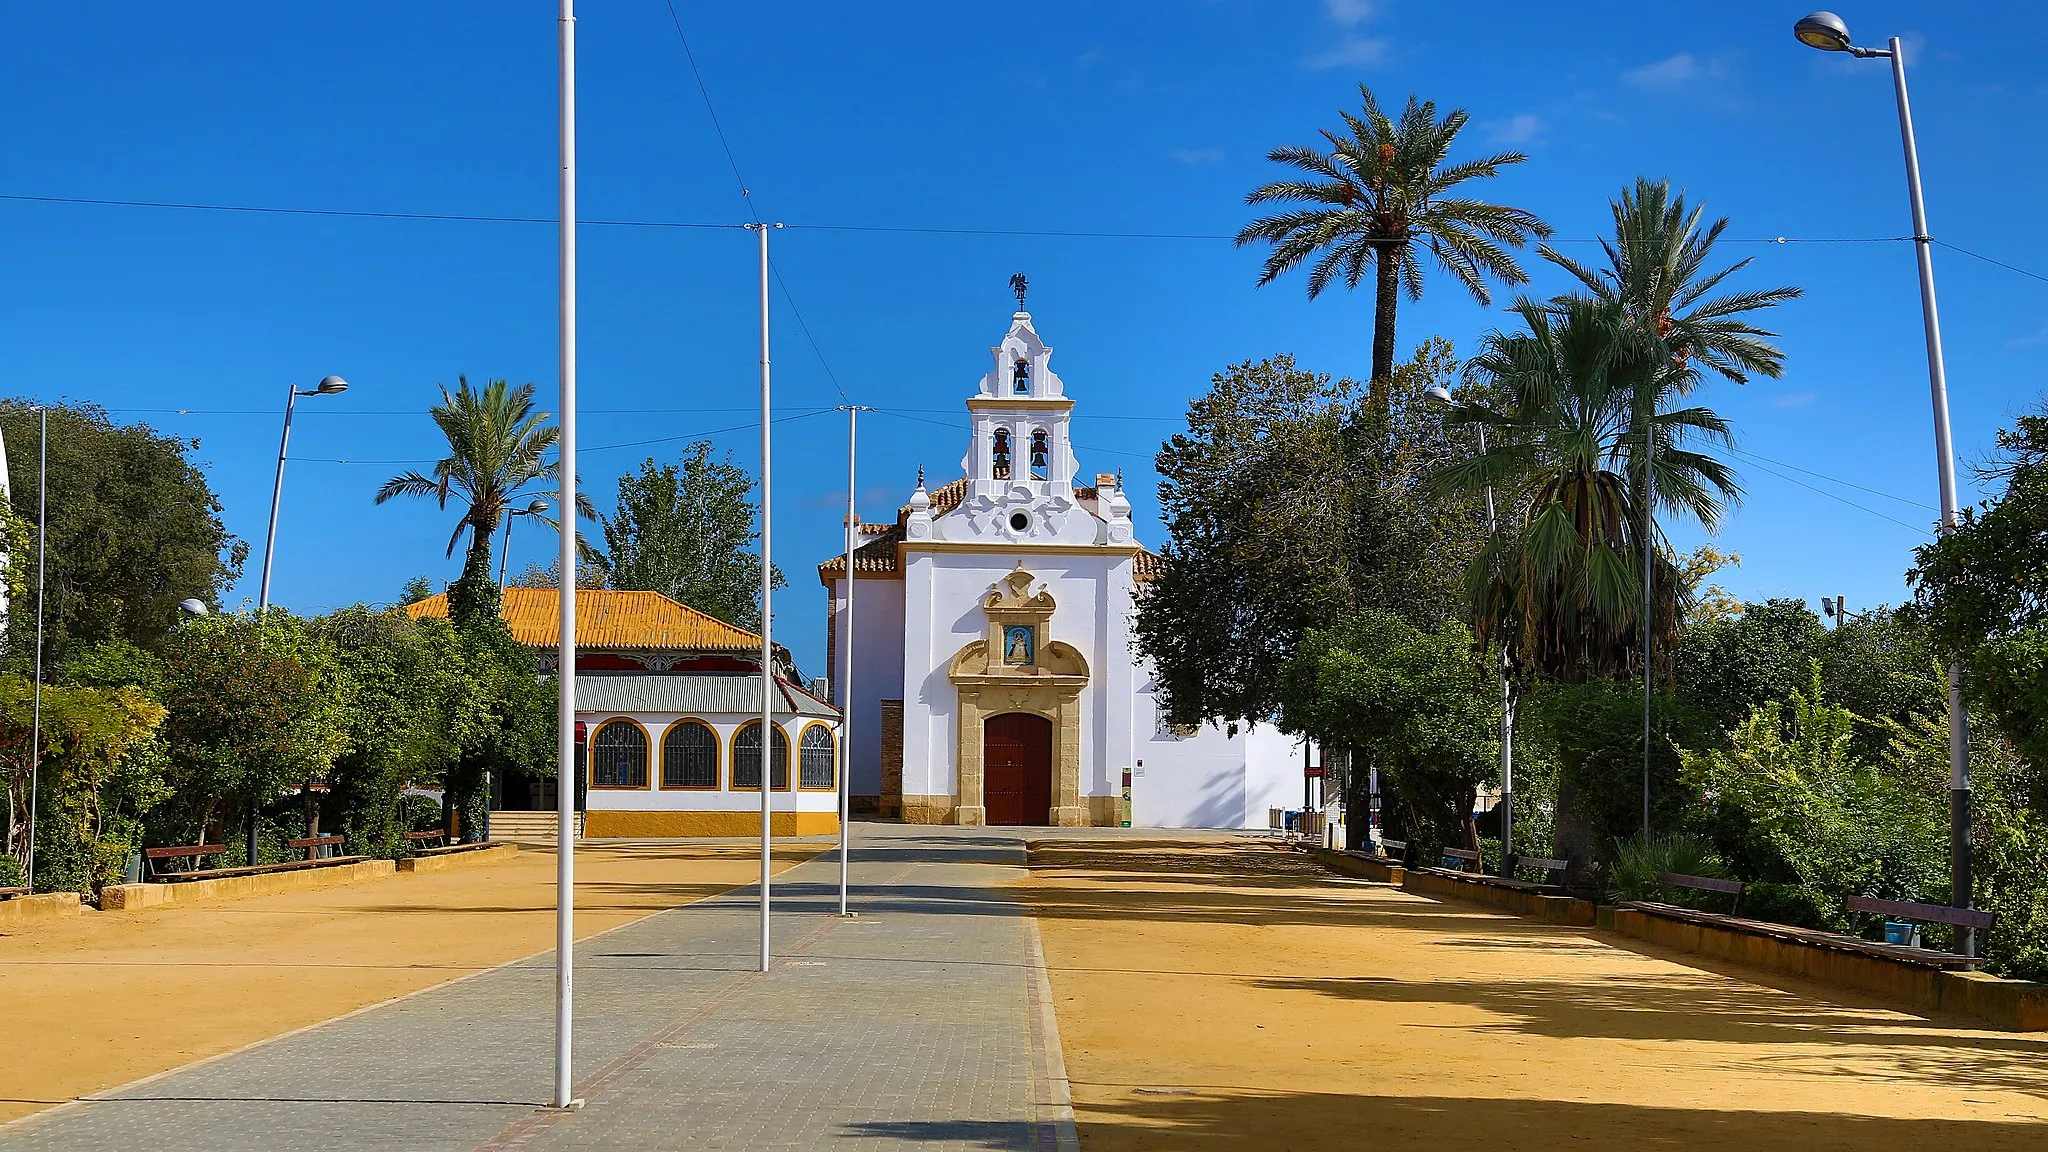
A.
x: 135, y: 897
x: 469, y: 858
x: 616, y: 825
x: 41, y: 908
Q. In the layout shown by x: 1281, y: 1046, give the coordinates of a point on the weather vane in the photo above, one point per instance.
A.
x: 1018, y: 285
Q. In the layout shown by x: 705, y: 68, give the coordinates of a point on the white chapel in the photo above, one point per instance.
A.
x: 995, y: 680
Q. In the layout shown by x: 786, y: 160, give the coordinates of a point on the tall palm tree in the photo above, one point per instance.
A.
x: 1378, y: 197
x: 1656, y: 271
x: 1559, y: 585
x: 497, y: 446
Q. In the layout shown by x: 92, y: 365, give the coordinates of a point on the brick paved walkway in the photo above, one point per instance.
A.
x: 923, y: 1023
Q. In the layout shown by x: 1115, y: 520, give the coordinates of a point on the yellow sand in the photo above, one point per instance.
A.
x: 103, y: 999
x: 1236, y: 997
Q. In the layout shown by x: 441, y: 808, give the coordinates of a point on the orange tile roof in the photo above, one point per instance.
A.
x: 608, y: 619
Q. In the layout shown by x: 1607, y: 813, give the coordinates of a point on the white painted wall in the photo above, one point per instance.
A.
x: 877, y: 670
x: 654, y: 798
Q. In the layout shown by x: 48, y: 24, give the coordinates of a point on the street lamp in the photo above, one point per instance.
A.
x: 539, y: 507
x: 1442, y: 395
x: 1827, y: 32
x: 192, y: 607
x: 328, y: 386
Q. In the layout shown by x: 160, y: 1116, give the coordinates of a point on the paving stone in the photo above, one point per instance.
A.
x: 921, y: 1024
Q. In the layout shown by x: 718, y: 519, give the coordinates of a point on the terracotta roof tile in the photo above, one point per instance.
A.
x: 608, y: 619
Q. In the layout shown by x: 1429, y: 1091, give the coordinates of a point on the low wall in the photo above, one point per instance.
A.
x: 601, y: 824
x: 1552, y: 909
x: 2015, y: 1005
x: 41, y: 908
x: 467, y: 858
x: 1365, y: 868
x: 135, y: 897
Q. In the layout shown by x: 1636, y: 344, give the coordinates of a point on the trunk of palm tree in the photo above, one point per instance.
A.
x: 474, y: 597
x: 1386, y: 299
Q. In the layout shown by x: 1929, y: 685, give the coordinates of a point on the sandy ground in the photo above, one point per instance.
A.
x: 105, y: 999
x: 1237, y: 997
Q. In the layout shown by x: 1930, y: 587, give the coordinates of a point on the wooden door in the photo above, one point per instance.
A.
x: 1016, y: 758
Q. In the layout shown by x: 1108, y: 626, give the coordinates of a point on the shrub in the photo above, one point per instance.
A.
x: 1633, y: 874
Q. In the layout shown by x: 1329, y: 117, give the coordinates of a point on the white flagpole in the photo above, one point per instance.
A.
x: 565, y: 651
x: 767, y: 780
x: 846, y: 656
x: 35, y: 755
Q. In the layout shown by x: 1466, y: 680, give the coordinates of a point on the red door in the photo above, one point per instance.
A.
x: 1016, y: 757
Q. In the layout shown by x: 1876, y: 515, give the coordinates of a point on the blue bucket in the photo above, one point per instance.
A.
x: 1898, y: 933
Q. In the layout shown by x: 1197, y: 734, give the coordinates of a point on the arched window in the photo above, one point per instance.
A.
x: 1020, y: 376
x: 618, y: 755
x: 746, y: 758
x: 1039, y: 451
x: 689, y: 756
x: 814, y: 759
x: 1002, y: 454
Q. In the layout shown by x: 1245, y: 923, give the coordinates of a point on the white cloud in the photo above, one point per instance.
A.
x: 1198, y: 155
x: 1677, y: 71
x: 1793, y: 400
x: 1520, y: 128
x: 1348, y: 52
x: 1349, y: 12
x: 2034, y: 341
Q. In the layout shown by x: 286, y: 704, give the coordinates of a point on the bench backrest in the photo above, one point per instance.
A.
x: 1544, y: 862
x: 429, y: 834
x: 1703, y: 883
x: 315, y: 841
x: 1931, y: 913
x: 1395, y: 849
x: 193, y: 850
x: 1468, y: 860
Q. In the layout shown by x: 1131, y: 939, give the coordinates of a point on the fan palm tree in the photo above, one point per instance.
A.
x: 497, y: 446
x: 1656, y: 271
x: 1377, y: 198
x: 1559, y: 586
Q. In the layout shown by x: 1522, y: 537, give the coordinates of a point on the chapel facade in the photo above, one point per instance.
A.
x: 995, y: 679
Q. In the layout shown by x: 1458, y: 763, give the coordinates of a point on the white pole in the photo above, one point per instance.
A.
x: 767, y: 779
x: 565, y: 651
x: 846, y: 660
x: 35, y: 755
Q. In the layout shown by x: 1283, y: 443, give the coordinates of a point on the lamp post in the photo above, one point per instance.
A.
x: 539, y: 507
x: 328, y: 386
x: 1442, y: 395
x: 1827, y: 32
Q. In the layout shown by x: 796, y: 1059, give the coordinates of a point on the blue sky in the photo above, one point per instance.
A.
x: 1049, y: 116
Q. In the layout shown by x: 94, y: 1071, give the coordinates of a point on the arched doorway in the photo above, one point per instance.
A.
x: 1017, y: 762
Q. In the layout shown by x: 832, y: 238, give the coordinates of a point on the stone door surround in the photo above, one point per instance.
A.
x: 1049, y: 685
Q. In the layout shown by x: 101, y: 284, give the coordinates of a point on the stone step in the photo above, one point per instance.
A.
x: 532, y: 827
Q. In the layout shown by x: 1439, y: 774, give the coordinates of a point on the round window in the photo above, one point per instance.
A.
x: 1019, y: 521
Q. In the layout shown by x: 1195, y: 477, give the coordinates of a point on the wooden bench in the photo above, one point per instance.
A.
x: 1922, y: 913
x: 1541, y: 888
x: 1815, y: 937
x: 318, y: 847
x: 419, y: 839
x: 451, y: 849
x: 1394, y: 851
x: 1461, y: 860
x: 196, y: 852
x: 1706, y: 884
x: 11, y: 893
x: 152, y: 870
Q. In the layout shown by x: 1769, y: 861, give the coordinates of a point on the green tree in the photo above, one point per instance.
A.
x: 100, y: 771
x: 497, y: 449
x: 1380, y: 197
x: 1290, y: 501
x: 689, y: 533
x: 134, y: 528
x: 415, y: 590
x: 1656, y: 271
x: 412, y: 706
x: 1981, y: 588
x: 1418, y: 703
x: 257, y: 711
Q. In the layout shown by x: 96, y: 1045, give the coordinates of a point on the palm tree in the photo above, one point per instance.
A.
x: 497, y: 446
x: 1559, y: 586
x: 1655, y: 271
x: 1376, y: 197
